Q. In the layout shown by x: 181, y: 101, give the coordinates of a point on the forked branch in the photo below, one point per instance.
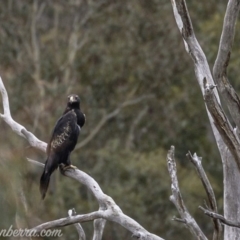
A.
x: 194, y: 49
x: 197, y: 162
x: 221, y: 122
x: 108, y: 210
x: 224, y: 52
x: 220, y: 217
x: 177, y: 199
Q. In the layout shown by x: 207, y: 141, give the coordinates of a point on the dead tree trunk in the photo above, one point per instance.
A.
x: 226, y: 135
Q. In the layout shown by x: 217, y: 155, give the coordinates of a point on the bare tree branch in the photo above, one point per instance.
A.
x: 16, y: 127
x: 191, y: 44
x: 230, y: 167
x: 67, y: 221
x: 197, y: 162
x: 120, y: 218
x: 108, y: 210
x: 220, y: 217
x: 230, y: 164
x: 222, y: 60
x: 179, y: 220
x: 230, y: 170
x: 194, y: 49
x: 78, y: 226
x: 99, y: 225
x: 222, y: 123
x: 177, y: 199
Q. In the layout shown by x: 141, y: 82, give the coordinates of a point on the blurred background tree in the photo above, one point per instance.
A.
x: 127, y: 62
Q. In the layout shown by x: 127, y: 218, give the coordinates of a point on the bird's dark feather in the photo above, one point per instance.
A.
x: 65, y: 133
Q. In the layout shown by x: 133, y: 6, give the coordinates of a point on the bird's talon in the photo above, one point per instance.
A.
x: 72, y: 166
x: 64, y: 168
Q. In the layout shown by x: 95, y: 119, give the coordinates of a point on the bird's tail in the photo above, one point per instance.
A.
x: 50, y: 165
x: 44, y: 182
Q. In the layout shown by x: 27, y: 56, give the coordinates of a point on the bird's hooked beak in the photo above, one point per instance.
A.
x: 73, y: 98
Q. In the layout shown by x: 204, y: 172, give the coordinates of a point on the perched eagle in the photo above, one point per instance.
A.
x: 63, y: 141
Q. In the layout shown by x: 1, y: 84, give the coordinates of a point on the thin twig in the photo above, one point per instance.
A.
x: 197, y: 162
x: 78, y: 226
x: 179, y: 220
x: 177, y: 199
x: 220, y: 217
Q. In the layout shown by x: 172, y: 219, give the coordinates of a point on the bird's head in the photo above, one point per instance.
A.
x: 73, y: 100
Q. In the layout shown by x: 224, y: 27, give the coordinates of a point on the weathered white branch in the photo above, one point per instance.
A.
x: 16, y: 127
x: 194, y: 49
x: 191, y: 44
x: 220, y: 217
x: 221, y: 122
x: 78, y: 226
x: 230, y: 169
x: 67, y: 221
x: 197, y: 162
x: 224, y: 52
x: 108, y: 208
x: 231, y: 163
x: 177, y: 199
x: 99, y: 225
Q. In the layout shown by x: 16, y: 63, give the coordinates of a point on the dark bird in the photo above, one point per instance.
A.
x: 63, y: 140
